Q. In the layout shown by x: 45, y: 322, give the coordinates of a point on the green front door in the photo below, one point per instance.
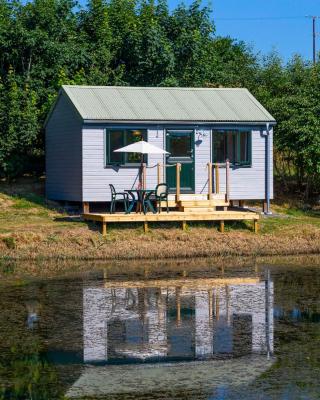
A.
x: 180, y: 145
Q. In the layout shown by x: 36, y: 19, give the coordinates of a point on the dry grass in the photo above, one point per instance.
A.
x: 31, y: 229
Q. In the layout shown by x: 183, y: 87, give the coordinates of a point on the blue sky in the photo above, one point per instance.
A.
x: 289, y: 32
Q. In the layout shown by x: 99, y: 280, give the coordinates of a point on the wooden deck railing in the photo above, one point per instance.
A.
x: 178, y: 173
x: 210, y: 165
x: 217, y: 167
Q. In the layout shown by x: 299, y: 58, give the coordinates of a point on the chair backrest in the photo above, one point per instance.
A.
x: 112, y: 188
x: 162, y: 189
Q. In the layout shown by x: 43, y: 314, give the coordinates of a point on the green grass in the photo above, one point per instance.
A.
x: 29, y: 227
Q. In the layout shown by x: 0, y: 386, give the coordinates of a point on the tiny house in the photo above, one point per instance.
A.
x: 197, y: 126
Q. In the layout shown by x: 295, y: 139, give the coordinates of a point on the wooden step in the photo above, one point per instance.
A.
x: 198, y: 209
x: 197, y: 197
x: 204, y: 203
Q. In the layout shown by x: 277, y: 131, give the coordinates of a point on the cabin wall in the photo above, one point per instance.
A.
x: 203, y: 150
x: 248, y: 183
x: 97, y: 176
x: 64, y: 153
x: 245, y: 182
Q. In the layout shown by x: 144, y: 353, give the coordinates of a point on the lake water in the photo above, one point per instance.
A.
x: 212, y: 333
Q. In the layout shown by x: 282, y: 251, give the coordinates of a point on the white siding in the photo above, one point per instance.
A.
x: 248, y: 183
x: 97, y: 177
x: 202, y: 150
x: 63, y: 153
x: 245, y: 182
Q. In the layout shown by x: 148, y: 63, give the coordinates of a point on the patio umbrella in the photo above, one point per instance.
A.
x: 141, y: 147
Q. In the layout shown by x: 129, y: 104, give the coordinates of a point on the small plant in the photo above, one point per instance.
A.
x: 6, y: 267
x: 10, y: 242
x: 52, y: 238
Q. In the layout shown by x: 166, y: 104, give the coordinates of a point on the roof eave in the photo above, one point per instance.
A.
x: 177, y: 122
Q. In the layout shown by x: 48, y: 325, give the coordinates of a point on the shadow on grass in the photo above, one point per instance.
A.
x: 300, y: 212
x: 163, y: 226
x: 28, y: 193
x: 228, y: 225
x: 69, y: 218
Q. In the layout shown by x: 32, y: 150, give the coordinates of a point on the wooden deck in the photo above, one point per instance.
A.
x: 174, y: 216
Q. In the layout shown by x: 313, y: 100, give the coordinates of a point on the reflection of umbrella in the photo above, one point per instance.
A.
x: 141, y: 147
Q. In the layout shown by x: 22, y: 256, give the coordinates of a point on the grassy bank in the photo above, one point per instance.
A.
x: 31, y: 228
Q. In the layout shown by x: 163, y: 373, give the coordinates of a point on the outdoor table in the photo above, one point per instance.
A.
x: 141, y: 194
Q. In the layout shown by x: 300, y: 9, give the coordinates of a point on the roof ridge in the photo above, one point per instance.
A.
x: 150, y: 87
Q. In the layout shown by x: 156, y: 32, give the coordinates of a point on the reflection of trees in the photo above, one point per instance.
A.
x: 24, y: 373
x: 297, y: 336
x: 298, y: 289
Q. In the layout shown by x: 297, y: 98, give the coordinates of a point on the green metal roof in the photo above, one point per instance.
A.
x: 158, y: 104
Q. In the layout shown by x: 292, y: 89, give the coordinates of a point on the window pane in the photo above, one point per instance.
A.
x: 180, y: 145
x: 244, y: 147
x: 133, y: 136
x: 219, y: 147
x: 231, y: 146
x: 115, y: 142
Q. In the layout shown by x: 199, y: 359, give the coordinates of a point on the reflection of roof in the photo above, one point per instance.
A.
x: 98, y: 381
x: 191, y: 283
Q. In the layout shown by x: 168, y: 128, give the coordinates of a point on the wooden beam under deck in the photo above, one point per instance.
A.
x: 194, y: 283
x: 174, y: 216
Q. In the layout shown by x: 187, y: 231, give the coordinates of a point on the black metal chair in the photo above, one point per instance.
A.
x: 131, y: 202
x: 118, y: 196
x: 161, y: 193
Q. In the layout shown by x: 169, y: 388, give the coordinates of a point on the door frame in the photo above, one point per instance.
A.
x: 192, y: 130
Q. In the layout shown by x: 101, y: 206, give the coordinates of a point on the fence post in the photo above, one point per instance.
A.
x: 209, y: 180
x: 178, y: 169
x: 227, y: 181
x: 217, y: 178
x: 159, y: 173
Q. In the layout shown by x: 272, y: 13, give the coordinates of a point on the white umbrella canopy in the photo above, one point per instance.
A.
x: 141, y: 147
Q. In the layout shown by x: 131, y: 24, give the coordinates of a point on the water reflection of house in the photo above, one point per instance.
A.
x: 177, y: 319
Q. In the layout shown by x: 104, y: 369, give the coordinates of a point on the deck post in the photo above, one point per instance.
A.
x: 178, y: 169
x: 264, y: 207
x: 227, y: 181
x: 217, y: 178
x: 209, y: 180
x: 104, y: 228
x: 221, y: 226
x: 255, y: 226
x: 217, y: 305
x: 144, y: 175
x: 85, y: 208
x: 145, y: 226
x: 210, y: 294
x: 178, y: 305
x: 184, y: 225
x: 159, y: 173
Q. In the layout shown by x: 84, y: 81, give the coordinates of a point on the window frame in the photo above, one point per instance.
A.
x: 237, y: 150
x: 107, y: 152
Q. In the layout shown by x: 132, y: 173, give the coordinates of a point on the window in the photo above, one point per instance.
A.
x: 116, y: 138
x: 179, y: 143
x: 232, y: 145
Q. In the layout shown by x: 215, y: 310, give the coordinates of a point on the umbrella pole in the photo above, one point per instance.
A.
x: 141, y: 171
x: 142, y: 175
